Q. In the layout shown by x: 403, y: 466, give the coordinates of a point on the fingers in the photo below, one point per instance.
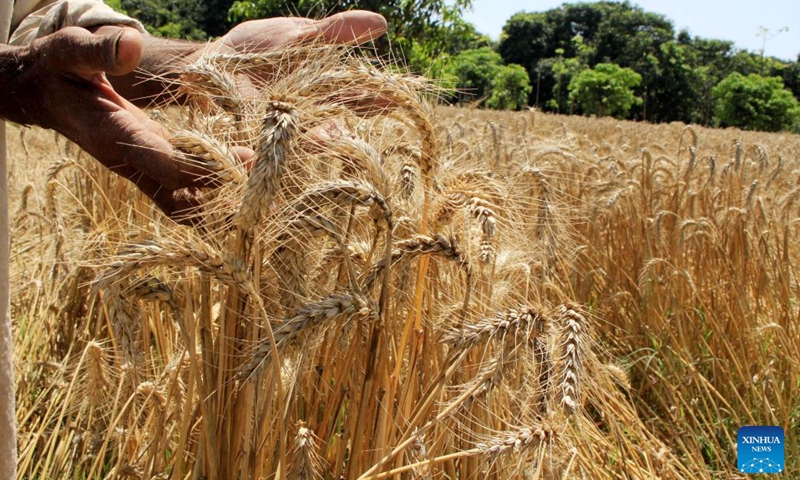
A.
x: 352, y: 27
x: 355, y: 26
x: 182, y: 205
x: 107, y: 126
x: 154, y: 156
x: 114, y: 50
x: 244, y: 156
x: 120, y: 140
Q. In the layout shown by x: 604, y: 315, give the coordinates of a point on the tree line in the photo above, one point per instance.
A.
x: 574, y: 53
x: 603, y: 58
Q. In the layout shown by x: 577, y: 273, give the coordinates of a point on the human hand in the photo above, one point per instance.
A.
x: 260, y: 36
x: 274, y: 34
x: 60, y: 83
x: 255, y: 36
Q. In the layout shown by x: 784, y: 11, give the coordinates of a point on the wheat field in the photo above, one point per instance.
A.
x: 427, y: 292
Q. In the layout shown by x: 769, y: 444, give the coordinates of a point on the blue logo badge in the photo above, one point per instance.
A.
x: 760, y: 450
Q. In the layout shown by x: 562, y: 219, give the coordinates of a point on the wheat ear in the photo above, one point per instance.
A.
x: 571, y: 331
x: 483, y: 212
x: 414, y: 247
x: 280, y: 125
x: 223, y: 266
x: 209, y: 153
x: 526, y: 322
x: 306, y: 462
x: 202, y: 79
x: 512, y: 441
x: 340, y: 306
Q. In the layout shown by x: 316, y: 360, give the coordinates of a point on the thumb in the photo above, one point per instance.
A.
x: 112, y: 50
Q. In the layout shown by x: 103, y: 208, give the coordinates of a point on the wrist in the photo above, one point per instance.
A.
x: 15, y: 63
x: 154, y: 81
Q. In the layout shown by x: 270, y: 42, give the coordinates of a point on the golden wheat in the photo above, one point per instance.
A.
x: 395, y: 288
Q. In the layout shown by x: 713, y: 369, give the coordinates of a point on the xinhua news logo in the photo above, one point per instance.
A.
x: 760, y: 450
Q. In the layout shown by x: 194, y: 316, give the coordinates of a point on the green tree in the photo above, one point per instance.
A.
x: 473, y: 71
x: 564, y: 69
x: 605, y: 90
x: 479, y: 74
x: 610, y: 33
x: 754, y: 102
x: 524, y: 40
x: 432, y: 61
x: 529, y: 37
x: 628, y: 33
x: 116, y: 5
x: 791, y: 77
x: 538, y: 41
x: 672, y: 88
x: 630, y: 37
x: 678, y: 72
x: 169, y: 18
x: 711, y: 61
x: 510, y: 88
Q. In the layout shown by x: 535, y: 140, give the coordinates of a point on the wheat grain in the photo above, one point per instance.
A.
x: 289, y: 259
x: 485, y: 215
x: 209, y: 154
x: 409, y: 171
x: 360, y: 156
x: 517, y: 440
x: 96, y: 373
x: 125, y: 323
x: 418, y: 455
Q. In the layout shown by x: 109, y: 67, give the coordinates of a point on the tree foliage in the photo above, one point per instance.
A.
x: 678, y: 71
x: 216, y: 21
x: 510, y: 88
x: 564, y: 69
x: 605, y: 90
x: 479, y: 74
x: 756, y: 103
x: 169, y: 18
x: 473, y: 71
